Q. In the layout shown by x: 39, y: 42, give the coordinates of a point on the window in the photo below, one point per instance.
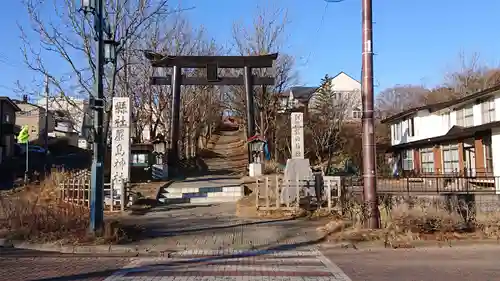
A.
x: 7, y: 118
x: 284, y: 102
x: 411, y: 127
x: 397, y: 131
x: 357, y: 114
x: 446, y: 121
x: 139, y: 159
x: 407, y: 160
x: 488, y: 111
x: 465, y: 117
x: 427, y: 160
x: 488, y: 156
x: 450, y: 158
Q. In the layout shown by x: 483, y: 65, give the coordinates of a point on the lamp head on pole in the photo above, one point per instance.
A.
x: 88, y: 6
x: 159, y: 144
x: 110, y: 50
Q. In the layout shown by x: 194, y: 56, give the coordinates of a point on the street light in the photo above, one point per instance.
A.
x: 159, y: 147
x: 110, y: 50
x: 88, y: 6
x: 96, y: 8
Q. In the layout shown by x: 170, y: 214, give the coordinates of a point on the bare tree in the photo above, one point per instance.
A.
x: 266, y: 35
x: 65, y: 49
x: 471, y: 76
x: 400, y: 97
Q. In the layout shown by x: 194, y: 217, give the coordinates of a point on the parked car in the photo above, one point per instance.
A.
x: 21, y: 149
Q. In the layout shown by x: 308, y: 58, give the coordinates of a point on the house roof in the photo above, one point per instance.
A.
x: 303, y: 93
x: 11, y: 102
x: 28, y: 103
x: 442, y: 105
x: 455, y: 133
x: 342, y: 72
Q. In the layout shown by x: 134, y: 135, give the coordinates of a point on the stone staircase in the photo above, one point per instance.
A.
x: 227, y: 153
x: 204, y: 190
x: 225, y: 160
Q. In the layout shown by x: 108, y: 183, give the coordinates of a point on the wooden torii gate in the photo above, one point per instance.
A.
x: 211, y: 64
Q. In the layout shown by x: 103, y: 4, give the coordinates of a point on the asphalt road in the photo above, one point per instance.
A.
x: 465, y: 263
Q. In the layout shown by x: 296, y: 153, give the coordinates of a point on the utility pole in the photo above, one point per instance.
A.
x: 46, y: 135
x: 372, y: 214
x: 97, y: 181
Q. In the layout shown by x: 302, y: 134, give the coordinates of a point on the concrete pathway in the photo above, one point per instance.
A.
x: 248, y: 266
x: 215, y: 227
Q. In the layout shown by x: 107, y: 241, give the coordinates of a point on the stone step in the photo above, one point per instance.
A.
x: 202, y: 195
x: 230, y: 133
x: 204, y: 200
x: 208, y: 189
x: 242, y: 161
x: 214, y: 200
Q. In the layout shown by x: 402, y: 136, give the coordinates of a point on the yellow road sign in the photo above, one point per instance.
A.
x: 23, y: 135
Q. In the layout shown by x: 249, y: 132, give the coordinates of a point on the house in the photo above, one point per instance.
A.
x: 64, y: 128
x: 33, y: 116
x: 8, y: 111
x: 460, y: 137
x: 74, y: 107
x: 345, y: 88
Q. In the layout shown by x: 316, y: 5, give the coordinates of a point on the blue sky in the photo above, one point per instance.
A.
x: 416, y: 42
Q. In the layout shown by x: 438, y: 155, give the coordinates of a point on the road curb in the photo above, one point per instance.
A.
x: 5, y: 243
x: 94, y: 249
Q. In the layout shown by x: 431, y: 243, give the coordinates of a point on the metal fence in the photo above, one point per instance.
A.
x: 429, y: 184
x: 461, y: 194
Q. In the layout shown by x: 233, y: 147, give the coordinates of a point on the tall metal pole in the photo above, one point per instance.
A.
x: 46, y: 135
x: 97, y: 181
x: 248, y: 79
x: 369, y: 165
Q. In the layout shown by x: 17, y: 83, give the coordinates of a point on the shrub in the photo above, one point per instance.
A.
x: 36, y: 213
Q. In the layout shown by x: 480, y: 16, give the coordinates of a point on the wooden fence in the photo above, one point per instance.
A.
x: 76, y: 189
x: 275, y: 193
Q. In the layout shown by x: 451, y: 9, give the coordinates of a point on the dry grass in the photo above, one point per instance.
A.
x: 272, y: 167
x: 36, y: 213
x: 404, y: 221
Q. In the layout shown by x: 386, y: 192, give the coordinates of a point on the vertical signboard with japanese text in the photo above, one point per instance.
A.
x: 297, y: 121
x: 120, y: 143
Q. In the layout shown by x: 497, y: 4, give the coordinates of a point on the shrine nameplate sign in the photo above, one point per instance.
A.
x: 120, y: 143
x: 297, y: 123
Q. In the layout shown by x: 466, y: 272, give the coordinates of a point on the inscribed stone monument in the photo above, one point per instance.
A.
x: 297, y: 168
x: 120, y: 145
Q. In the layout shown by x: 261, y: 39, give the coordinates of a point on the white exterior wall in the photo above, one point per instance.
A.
x: 343, y: 83
x: 427, y: 125
x: 476, y: 109
x: 433, y: 124
x: 495, y: 151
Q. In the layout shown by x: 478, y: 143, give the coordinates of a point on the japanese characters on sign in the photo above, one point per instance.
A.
x: 297, y: 121
x: 120, y: 144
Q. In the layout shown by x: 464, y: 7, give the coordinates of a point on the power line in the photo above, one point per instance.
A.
x: 318, y: 31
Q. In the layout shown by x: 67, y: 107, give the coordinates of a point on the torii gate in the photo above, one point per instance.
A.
x: 211, y: 64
